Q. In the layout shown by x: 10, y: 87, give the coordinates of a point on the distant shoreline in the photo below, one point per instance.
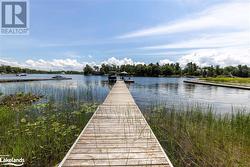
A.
x: 29, y: 80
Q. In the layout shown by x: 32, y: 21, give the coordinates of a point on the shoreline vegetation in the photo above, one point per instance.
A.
x: 173, y: 69
x: 194, y: 135
x: 197, y: 136
x: 40, y: 133
x: 5, y: 69
x: 227, y: 80
x: 147, y: 70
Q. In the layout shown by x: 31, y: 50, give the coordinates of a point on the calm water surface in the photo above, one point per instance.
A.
x: 146, y: 91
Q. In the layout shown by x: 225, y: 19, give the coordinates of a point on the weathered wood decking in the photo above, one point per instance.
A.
x: 117, y: 135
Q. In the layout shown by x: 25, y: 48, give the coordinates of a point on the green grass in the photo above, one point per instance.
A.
x: 40, y: 133
x: 227, y: 80
x: 195, y: 136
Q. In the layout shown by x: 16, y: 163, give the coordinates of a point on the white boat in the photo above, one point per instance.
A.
x: 21, y: 74
x: 58, y: 77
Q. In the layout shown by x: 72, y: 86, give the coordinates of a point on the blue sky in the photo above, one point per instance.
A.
x: 67, y: 34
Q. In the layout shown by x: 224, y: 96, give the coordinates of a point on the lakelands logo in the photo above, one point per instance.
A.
x: 6, y: 160
x: 14, y: 17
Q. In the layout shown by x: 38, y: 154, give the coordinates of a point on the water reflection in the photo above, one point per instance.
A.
x: 172, y: 91
x: 189, y: 87
x: 146, y: 91
x: 81, y: 88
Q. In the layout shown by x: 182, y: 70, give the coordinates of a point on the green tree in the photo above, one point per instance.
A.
x: 88, y: 70
x: 218, y: 70
x: 167, y: 70
x: 177, y: 69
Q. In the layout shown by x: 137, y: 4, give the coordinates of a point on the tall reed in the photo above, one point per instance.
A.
x: 197, y: 136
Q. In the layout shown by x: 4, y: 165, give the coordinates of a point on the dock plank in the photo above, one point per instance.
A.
x: 117, y: 135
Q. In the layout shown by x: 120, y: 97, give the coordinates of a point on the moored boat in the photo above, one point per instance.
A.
x: 59, y: 77
x: 21, y: 75
x: 129, y: 81
x: 126, y: 77
x: 112, y: 78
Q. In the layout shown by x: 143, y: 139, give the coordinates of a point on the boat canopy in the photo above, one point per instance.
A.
x: 124, y: 73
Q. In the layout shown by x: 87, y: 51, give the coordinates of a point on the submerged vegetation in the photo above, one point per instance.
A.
x: 41, y: 133
x: 195, y: 136
x: 19, y: 99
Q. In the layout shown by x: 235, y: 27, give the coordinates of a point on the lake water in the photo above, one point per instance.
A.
x: 146, y: 91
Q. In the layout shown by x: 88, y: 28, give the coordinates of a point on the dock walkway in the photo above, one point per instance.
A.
x: 117, y: 135
x: 216, y: 84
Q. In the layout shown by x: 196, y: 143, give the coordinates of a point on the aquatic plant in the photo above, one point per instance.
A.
x: 197, y: 136
x: 41, y: 133
x: 19, y: 99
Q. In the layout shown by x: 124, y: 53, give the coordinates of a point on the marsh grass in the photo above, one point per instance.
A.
x: 41, y: 133
x: 228, y: 80
x: 19, y: 99
x: 197, y: 136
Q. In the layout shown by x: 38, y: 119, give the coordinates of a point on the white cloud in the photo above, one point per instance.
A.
x: 222, y: 57
x: 118, y: 62
x: 231, y: 16
x: 209, y: 41
x: 64, y: 64
x: 166, y: 53
x: 56, y: 64
x: 9, y: 63
x: 165, y: 61
x: 214, y: 48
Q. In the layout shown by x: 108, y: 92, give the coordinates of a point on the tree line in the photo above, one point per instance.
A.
x: 173, y: 69
x: 148, y: 70
x: 15, y: 70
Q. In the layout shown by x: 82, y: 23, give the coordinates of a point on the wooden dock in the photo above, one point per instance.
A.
x: 216, y: 84
x: 117, y: 135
